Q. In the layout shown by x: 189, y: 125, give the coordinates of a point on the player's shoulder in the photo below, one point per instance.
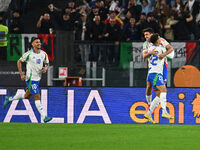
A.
x: 28, y: 52
x: 163, y: 40
x: 145, y: 43
x: 43, y: 52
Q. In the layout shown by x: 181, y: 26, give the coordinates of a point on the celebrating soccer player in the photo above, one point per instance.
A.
x: 35, y: 59
x: 155, y: 76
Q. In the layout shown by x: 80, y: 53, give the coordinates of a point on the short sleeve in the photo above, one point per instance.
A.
x: 46, y: 59
x: 144, y: 47
x: 164, y: 42
x: 25, y: 56
x: 171, y: 55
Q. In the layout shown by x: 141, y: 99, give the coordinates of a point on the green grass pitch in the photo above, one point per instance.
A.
x: 32, y: 136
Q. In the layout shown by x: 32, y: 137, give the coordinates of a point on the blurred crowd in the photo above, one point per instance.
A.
x: 117, y: 20
x: 112, y: 20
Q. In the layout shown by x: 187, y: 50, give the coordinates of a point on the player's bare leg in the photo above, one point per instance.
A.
x: 18, y: 96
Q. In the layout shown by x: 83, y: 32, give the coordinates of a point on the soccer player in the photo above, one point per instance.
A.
x: 155, y: 76
x: 35, y: 59
x: 148, y: 32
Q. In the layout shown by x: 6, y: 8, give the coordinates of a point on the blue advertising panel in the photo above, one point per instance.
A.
x: 101, y: 105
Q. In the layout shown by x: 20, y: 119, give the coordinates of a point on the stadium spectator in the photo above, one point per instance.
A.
x: 102, y: 10
x: 112, y: 33
x: 45, y: 25
x: 142, y: 24
x: 146, y: 6
x: 131, y: 31
x: 96, y: 35
x: 66, y: 22
x: 3, y: 40
x: 94, y: 12
x: 71, y: 4
x: 150, y: 22
x: 82, y: 34
x: 57, y: 13
x: 134, y: 8
x: 75, y: 16
x: 128, y: 15
x: 193, y: 7
x: 181, y: 26
x: 114, y: 16
x: 162, y: 10
x: 21, y: 5
x: 16, y: 25
x: 169, y: 32
x: 178, y: 6
x: 84, y: 9
x: 107, y: 4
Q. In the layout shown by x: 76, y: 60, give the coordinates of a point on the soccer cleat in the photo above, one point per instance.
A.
x: 6, y: 102
x: 149, y: 118
x: 166, y: 115
x: 47, y: 119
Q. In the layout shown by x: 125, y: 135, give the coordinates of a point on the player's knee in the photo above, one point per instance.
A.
x: 157, y: 93
x: 27, y: 96
x: 163, y: 89
x: 149, y: 86
x: 37, y: 97
x: 148, y: 91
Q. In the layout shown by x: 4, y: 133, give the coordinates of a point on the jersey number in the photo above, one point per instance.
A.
x: 153, y: 60
x: 34, y: 86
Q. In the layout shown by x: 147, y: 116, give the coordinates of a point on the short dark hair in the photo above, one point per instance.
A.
x: 150, y: 30
x: 34, y: 38
x: 112, y: 11
x: 154, y: 38
x: 71, y: 1
x: 16, y: 11
x: 143, y: 14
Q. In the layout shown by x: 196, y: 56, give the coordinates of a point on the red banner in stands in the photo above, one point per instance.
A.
x: 47, y: 44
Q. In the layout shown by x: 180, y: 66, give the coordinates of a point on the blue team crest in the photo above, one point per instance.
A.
x: 38, y: 61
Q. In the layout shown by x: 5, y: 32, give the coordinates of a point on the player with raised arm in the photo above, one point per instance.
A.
x: 155, y: 76
x: 148, y: 32
x: 35, y: 59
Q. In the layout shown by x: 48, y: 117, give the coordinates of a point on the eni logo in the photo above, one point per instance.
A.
x: 135, y: 112
x: 138, y: 109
